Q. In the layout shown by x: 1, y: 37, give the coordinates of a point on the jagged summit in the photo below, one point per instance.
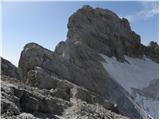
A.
x: 88, y: 69
x: 103, y: 31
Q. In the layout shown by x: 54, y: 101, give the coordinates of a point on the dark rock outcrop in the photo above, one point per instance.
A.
x: 152, y: 51
x: 7, y: 68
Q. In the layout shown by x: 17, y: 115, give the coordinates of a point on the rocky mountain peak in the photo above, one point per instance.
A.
x: 77, y: 71
x: 102, y: 30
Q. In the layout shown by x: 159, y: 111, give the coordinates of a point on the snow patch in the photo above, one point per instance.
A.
x: 135, y: 73
x: 150, y: 105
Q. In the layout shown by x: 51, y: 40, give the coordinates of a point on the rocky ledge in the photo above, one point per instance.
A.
x: 65, y: 100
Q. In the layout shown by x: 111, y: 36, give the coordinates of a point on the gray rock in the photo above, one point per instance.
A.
x: 152, y: 51
x: 82, y: 110
x: 25, y: 116
x: 7, y: 68
x: 91, y: 32
x: 114, y: 36
x: 16, y: 98
x: 65, y: 90
x: 25, y: 102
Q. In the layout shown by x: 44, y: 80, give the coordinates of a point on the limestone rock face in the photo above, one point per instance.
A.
x: 75, y: 69
x: 91, y: 33
x: 82, y: 68
x: 103, y: 31
x: 63, y: 82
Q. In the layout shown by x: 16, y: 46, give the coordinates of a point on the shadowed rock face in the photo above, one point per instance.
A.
x: 91, y: 32
x: 152, y: 51
x: 7, y: 68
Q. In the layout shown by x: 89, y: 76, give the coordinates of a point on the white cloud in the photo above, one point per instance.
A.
x: 150, y: 9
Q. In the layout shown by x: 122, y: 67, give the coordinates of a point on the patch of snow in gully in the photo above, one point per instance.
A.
x: 136, y: 73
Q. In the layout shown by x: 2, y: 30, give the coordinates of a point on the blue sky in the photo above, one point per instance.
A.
x: 46, y: 22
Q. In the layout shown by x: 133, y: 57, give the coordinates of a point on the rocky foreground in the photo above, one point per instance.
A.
x: 72, y: 82
x: 65, y: 100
